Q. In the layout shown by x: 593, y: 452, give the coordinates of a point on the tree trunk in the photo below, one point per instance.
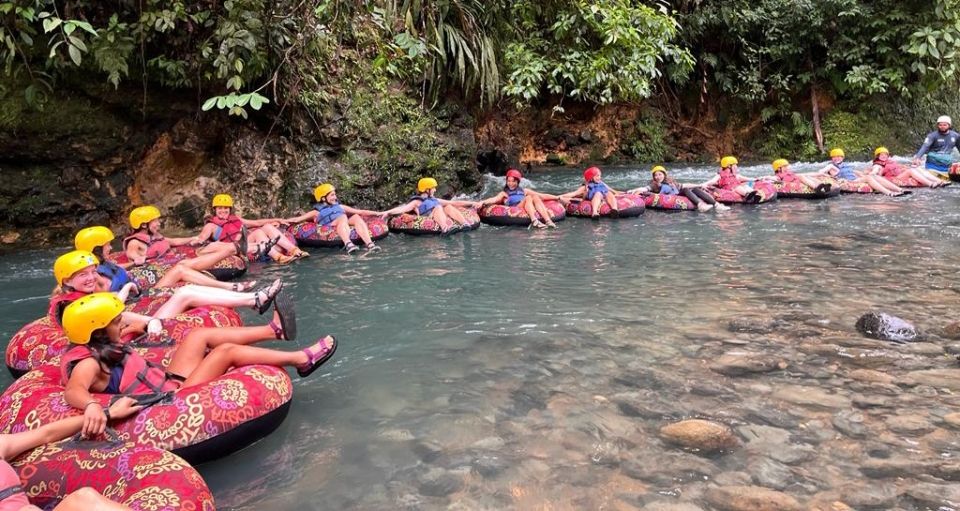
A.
x: 817, y: 132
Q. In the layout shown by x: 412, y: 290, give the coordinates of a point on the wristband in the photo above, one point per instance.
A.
x: 92, y: 401
x: 106, y: 412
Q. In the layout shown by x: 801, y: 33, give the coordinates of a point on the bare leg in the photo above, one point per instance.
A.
x: 192, y: 351
x: 361, y: 227
x: 542, y: 209
x: 225, y: 356
x: 209, y: 256
x: 441, y: 218
x: 342, y: 226
x: 809, y: 181
x: 881, y: 185
x: 743, y: 190
x: 455, y: 214
x: 272, y: 232
x: 182, y: 273
x: 921, y: 176
x: 197, y: 296
x: 612, y: 201
x: 88, y: 499
x: 595, y: 204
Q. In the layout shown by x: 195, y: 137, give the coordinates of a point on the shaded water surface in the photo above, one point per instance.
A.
x: 507, y: 368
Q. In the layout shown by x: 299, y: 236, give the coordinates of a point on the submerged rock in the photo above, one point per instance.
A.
x: 740, y: 363
x: 886, y: 327
x: 702, y: 435
x: 750, y: 498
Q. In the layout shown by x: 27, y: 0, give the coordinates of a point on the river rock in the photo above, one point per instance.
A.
x: 936, y: 496
x: 873, y: 495
x: 939, y: 378
x: 770, y: 473
x: 909, y: 424
x: 740, y: 363
x: 438, y: 482
x: 753, y: 325
x: 886, y: 327
x: 671, y: 506
x: 811, y: 397
x: 668, y: 469
x: 869, y: 375
x: 952, y: 420
x: 952, y: 331
x: 698, y: 434
x: 775, y: 443
x: 850, y: 423
x: 895, y: 467
x: 750, y: 498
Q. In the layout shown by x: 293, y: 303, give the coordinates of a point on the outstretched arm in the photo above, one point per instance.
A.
x: 544, y: 196
x: 355, y: 211
x: 710, y: 182
x: 16, y: 444
x: 927, y: 142
x: 309, y: 216
x: 578, y: 193
x: 496, y: 199
x: 399, y: 210
x: 458, y: 203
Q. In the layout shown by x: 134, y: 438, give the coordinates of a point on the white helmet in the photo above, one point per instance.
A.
x: 945, y: 118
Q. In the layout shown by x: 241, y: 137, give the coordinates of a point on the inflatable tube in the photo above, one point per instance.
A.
x: 199, y: 423
x: 668, y: 202
x: 630, y: 206
x: 309, y: 235
x: 905, y: 181
x: 227, y: 268
x: 41, y: 341
x: 501, y: 214
x: 855, y: 187
x: 417, y: 225
x: 141, y: 477
x: 798, y: 190
x: 764, y: 189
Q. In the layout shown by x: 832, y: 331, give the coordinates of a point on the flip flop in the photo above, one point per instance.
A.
x: 287, y: 314
x: 320, y: 352
x: 270, y: 293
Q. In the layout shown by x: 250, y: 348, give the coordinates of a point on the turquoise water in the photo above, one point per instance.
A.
x: 490, y: 370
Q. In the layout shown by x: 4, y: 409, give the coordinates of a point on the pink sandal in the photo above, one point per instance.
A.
x: 320, y: 352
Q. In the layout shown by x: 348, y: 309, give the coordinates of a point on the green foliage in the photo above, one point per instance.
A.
x: 646, y: 140
x: 789, y: 136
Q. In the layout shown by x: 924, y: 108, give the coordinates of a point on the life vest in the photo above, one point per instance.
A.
x: 728, y: 180
x: 59, y: 301
x: 594, y: 188
x: 140, y: 376
x: 427, y: 204
x: 889, y: 168
x: 788, y: 177
x: 117, y: 275
x: 327, y: 213
x: 668, y: 189
x: 228, y: 229
x: 156, y: 246
x: 515, y: 196
x: 11, y: 493
x: 845, y: 171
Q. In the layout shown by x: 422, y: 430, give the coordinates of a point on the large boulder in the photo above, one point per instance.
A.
x: 886, y: 327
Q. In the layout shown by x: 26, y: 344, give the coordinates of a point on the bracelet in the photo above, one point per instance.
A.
x: 92, y: 401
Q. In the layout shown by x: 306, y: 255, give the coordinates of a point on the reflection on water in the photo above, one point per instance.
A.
x: 507, y: 368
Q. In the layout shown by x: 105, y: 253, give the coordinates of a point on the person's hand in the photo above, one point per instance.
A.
x: 131, y: 288
x: 154, y: 328
x: 139, y: 260
x: 194, y: 241
x: 916, y: 162
x: 94, y: 420
x: 124, y: 407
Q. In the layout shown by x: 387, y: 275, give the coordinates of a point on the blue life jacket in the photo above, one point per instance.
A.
x: 594, y: 188
x: 117, y: 275
x: 666, y: 189
x: 426, y: 204
x: 845, y: 171
x: 515, y: 196
x: 327, y: 213
x: 113, y: 384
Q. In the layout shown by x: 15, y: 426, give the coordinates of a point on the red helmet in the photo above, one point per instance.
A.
x: 514, y: 173
x: 591, y: 173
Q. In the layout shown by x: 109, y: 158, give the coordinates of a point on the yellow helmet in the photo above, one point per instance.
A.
x: 658, y: 168
x: 881, y: 149
x: 92, y: 312
x: 426, y: 183
x: 322, y: 191
x: 143, y: 215
x: 728, y: 161
x: 836, y: 152
x: 72, y: 262
x: 222, y: 200
x: 91, y: 237
x: 779, y: 164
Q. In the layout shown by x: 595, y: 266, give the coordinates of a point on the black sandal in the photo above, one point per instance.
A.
x: 241, y: 244
x: 270, y: 293
x: 263, y: 249
x: 287, y: 314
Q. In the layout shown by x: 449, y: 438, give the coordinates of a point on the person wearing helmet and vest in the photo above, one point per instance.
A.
x: 782, y: 173
x: 530, y: 201
x: 116, y: 277
x: 425, y: 203
x: 883, y: 165
x: 939, y: 146
x: 596, y: 191
x: 264, y: 241
x: 13, y: 497
x: 728, y: 178
x: 662, y: 183
x: 98, y: 362
x: 77, y: 276
x: 843, y: 172
x: 329, y: 212
x: 146, y: 244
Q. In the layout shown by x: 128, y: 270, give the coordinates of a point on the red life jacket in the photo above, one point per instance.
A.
x: 139, y: 375
x: 156, y: 245
x: 11, y: 494
x: 889, y: 168
x: 60, y: 300
x: 728, y: 180
x: 788, y: 177
x: 229, y: 229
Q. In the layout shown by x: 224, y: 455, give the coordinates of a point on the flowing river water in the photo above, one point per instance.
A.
x: 513, y: 369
